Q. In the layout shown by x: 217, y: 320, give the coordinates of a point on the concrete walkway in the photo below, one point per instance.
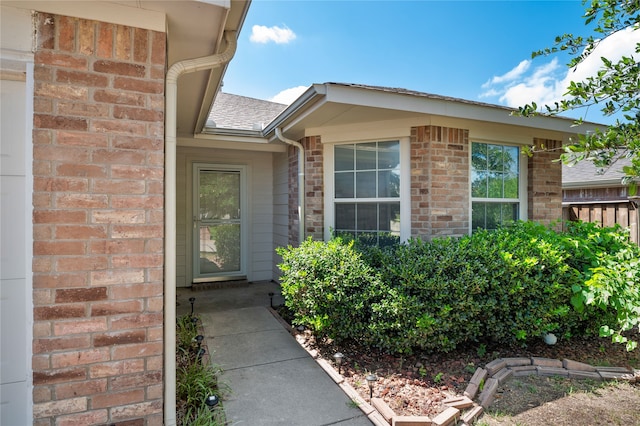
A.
x: 273, y: 381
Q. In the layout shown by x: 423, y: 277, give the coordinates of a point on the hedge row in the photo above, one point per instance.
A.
x: 507, y: 286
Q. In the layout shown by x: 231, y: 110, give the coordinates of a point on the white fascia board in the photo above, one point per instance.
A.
x: 233, y: 143
x: 115, y: 13
x: 220, y: 3
x: 448, y: 108
x: 609, y: 183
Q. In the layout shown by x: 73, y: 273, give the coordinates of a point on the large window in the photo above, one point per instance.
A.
x: 367, y: 188
x: 495, y: 185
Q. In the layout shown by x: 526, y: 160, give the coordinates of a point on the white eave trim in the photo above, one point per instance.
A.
x: 100, y: 11
x: 610, y: 183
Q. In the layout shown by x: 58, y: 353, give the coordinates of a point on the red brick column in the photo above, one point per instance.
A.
x: 544, y: 186
x: 294, y: 229
x: 314, y: 188
x: 98, y: 223
x: 439, y: 181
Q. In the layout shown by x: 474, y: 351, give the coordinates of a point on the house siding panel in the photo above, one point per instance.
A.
x: 98, y: 221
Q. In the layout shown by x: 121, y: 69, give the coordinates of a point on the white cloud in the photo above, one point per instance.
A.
x: 516, y: 72
x: 262, y: 34
x: 287, y: 96
x: 548, y: 82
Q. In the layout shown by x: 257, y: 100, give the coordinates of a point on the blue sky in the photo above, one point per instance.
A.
x: 475, y: 50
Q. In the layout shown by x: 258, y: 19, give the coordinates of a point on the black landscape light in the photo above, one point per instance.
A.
x: 201, y: 353
x: 199, y: 338
x: 192, y: 300
x: 212, y: 401
x: 194, y: 321
x: 338, y: 357
x: 371, y: 379
x: 271, y: 299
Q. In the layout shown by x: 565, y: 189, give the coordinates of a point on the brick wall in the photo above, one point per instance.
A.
x: 544, y: 187
x: 98, y: 223
x: 314, y: 193
x: 294, y: 230
x: 314, y: 188
x: 439, y: 181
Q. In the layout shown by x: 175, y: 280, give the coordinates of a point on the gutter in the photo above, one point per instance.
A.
x: 171, y: 111
x: 301, y: 199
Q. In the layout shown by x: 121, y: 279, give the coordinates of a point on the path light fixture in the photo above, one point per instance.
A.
x: 212, y: 401
x: 192, y: 300
x: 201, y: 353
x: 271, y: 299
x: 194, y: 321
x: 371, y: 379
x: 338, y: 357
x: 199, y: 338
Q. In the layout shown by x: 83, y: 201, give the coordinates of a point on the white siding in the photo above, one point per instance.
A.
x: 259, y: 194
x: 280, y: 207
x: 16, y: 235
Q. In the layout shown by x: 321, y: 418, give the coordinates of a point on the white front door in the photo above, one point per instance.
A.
x: 219, y: 222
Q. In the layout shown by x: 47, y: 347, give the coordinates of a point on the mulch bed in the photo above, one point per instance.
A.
x: 418, y: 384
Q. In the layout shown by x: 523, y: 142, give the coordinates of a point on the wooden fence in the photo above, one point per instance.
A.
x: 608, y: 214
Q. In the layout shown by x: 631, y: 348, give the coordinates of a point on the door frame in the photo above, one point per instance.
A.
x: 197, y: 167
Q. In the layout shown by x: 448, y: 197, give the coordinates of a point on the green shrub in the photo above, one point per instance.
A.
x: 328, y: 287
x: 508, y: 286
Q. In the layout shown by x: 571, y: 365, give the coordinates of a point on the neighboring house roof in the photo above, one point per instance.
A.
x: 242, y: 113
x: 585, y: 175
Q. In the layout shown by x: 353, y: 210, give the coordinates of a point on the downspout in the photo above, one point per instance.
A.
x: 171, y: 109
x: 300, y: 181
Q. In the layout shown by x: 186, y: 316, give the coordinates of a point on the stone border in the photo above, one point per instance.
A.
x: 500, y: 370
x: 486, y: 380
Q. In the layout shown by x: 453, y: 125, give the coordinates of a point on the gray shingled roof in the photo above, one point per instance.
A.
x: 585, y: 174
x: 242, y: 113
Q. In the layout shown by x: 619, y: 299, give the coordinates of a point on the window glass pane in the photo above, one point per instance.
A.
x: 511, y: 185
x: 219, y: 195
x: 495, y: 184
x: 388, y: 155
x: 390, y: 218
x: 345, y: 216
x: 388, y: 184
x: 366, y: 156
x: 477, y: 215
x: 479, y: 156
x: 344, y: 185
x: 367, y: 217
x: 493, y: 215
x: 509, y: 212
x: 343, y: 157
x: 479, y: 184
x: 494, y: 158
x: 365, y: 184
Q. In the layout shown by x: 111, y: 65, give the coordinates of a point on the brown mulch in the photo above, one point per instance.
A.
x: 418, y: 384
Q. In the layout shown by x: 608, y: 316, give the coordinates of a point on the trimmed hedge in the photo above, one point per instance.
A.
x: 507, y: 286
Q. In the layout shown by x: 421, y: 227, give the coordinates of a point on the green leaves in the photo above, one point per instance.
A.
x: 615, y: 88
x: 508, y: 285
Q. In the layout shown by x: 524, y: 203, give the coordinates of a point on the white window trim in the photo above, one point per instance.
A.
x: 405, y: 185
x: 522, y: 184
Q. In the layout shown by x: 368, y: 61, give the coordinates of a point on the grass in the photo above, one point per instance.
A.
x: 195, y: 378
